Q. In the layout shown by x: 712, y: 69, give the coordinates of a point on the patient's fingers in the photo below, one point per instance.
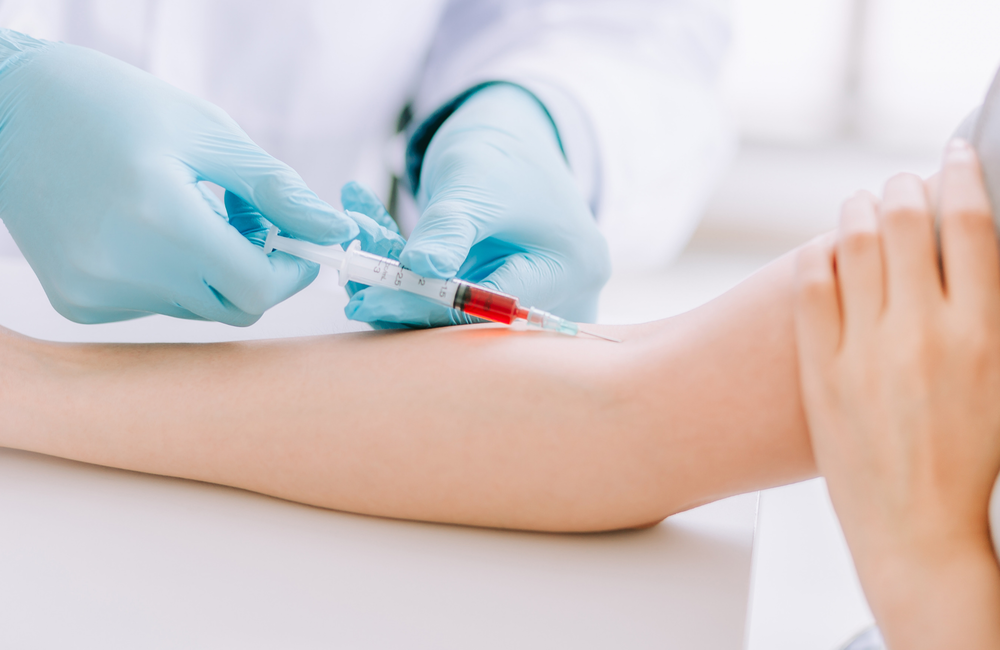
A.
x: 908, y: 243
x: 968, y: 237
x: 817, y: 309
x: 933, y: 185
x: 859, y: 262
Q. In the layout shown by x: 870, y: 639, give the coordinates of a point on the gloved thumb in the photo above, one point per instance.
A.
x: 246, y: 219
x: 275, y: 190
x: 535, y: 280
x: 377, y: 231
x: 231, y: 280
x: 441, y: 241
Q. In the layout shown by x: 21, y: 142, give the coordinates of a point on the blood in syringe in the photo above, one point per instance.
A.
x: 490, y: 305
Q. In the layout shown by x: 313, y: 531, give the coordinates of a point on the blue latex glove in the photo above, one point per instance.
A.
x: 499, y: 207
x: 100, y: 166
x: 379, y: 235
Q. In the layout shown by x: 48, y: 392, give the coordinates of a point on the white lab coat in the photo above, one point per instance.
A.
x: 320, y: 84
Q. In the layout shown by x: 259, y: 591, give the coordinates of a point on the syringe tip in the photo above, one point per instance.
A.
x: 601, y: 336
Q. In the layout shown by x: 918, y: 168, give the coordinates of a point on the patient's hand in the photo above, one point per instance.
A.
x: 900, y: 371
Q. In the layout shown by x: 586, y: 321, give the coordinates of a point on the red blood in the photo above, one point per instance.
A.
x: 483, y: 303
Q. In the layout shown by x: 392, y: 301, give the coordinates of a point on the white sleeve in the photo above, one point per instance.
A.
x: 632, y: 87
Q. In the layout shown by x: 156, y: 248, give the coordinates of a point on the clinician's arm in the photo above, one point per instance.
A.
x: 473, y: 425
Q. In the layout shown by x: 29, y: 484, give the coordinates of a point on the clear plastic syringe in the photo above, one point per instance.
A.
x: 355, y: 265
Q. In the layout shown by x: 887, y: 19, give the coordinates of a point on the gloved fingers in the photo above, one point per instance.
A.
x: 246, y: 219
x: 484, y: 258
x: 355, y: 197
x: 441, y: 241
x: 176, y: 311
x: 386, y: 325
x: 378, y: 233
x: 376, y: 238
x: 398, y: 308
x: 227, y: 298
x: 569, y: 290
x: 142, y: 301
x: 275, y: 189
x: 354, y: 287
x: 533, y: 278
x: 207, y: 303
x: 239, y: 281
x: 254, y: 286
x: 200, y: 268
x: 212, y: 200
x: 91, y: 316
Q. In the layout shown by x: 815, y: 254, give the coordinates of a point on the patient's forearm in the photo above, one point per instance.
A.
x: 477, y: 426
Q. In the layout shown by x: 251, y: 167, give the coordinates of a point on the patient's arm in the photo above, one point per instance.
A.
x: 477, y: 425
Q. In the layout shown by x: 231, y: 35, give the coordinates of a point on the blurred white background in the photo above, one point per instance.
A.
x: 834, y: 95
x: 829, y: 96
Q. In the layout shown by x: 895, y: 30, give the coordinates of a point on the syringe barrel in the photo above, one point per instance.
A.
x: 377, y: 271
x: 484, y: 303
x: 356, y: 265
x: 328, y: 255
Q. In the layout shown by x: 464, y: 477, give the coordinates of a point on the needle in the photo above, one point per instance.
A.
x: 601, y: 336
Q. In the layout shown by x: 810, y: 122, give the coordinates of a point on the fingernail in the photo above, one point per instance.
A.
x: 958, y: 151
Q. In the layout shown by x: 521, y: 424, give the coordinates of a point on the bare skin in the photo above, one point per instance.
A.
x: 899, y: 359
x: 484, y: 426
x: 900, y: 364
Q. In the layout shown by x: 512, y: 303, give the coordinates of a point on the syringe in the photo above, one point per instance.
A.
x: 355, y: 265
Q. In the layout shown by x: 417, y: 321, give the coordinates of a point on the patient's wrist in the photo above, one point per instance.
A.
x: 30, y: 385
x: 936, y: 597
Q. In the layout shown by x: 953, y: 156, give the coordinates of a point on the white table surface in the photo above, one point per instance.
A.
x: 92, y: 557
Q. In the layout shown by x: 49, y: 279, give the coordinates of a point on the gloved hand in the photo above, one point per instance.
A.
x: 499, y: 207
x: 100, y: 166
x: 379, y: 235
